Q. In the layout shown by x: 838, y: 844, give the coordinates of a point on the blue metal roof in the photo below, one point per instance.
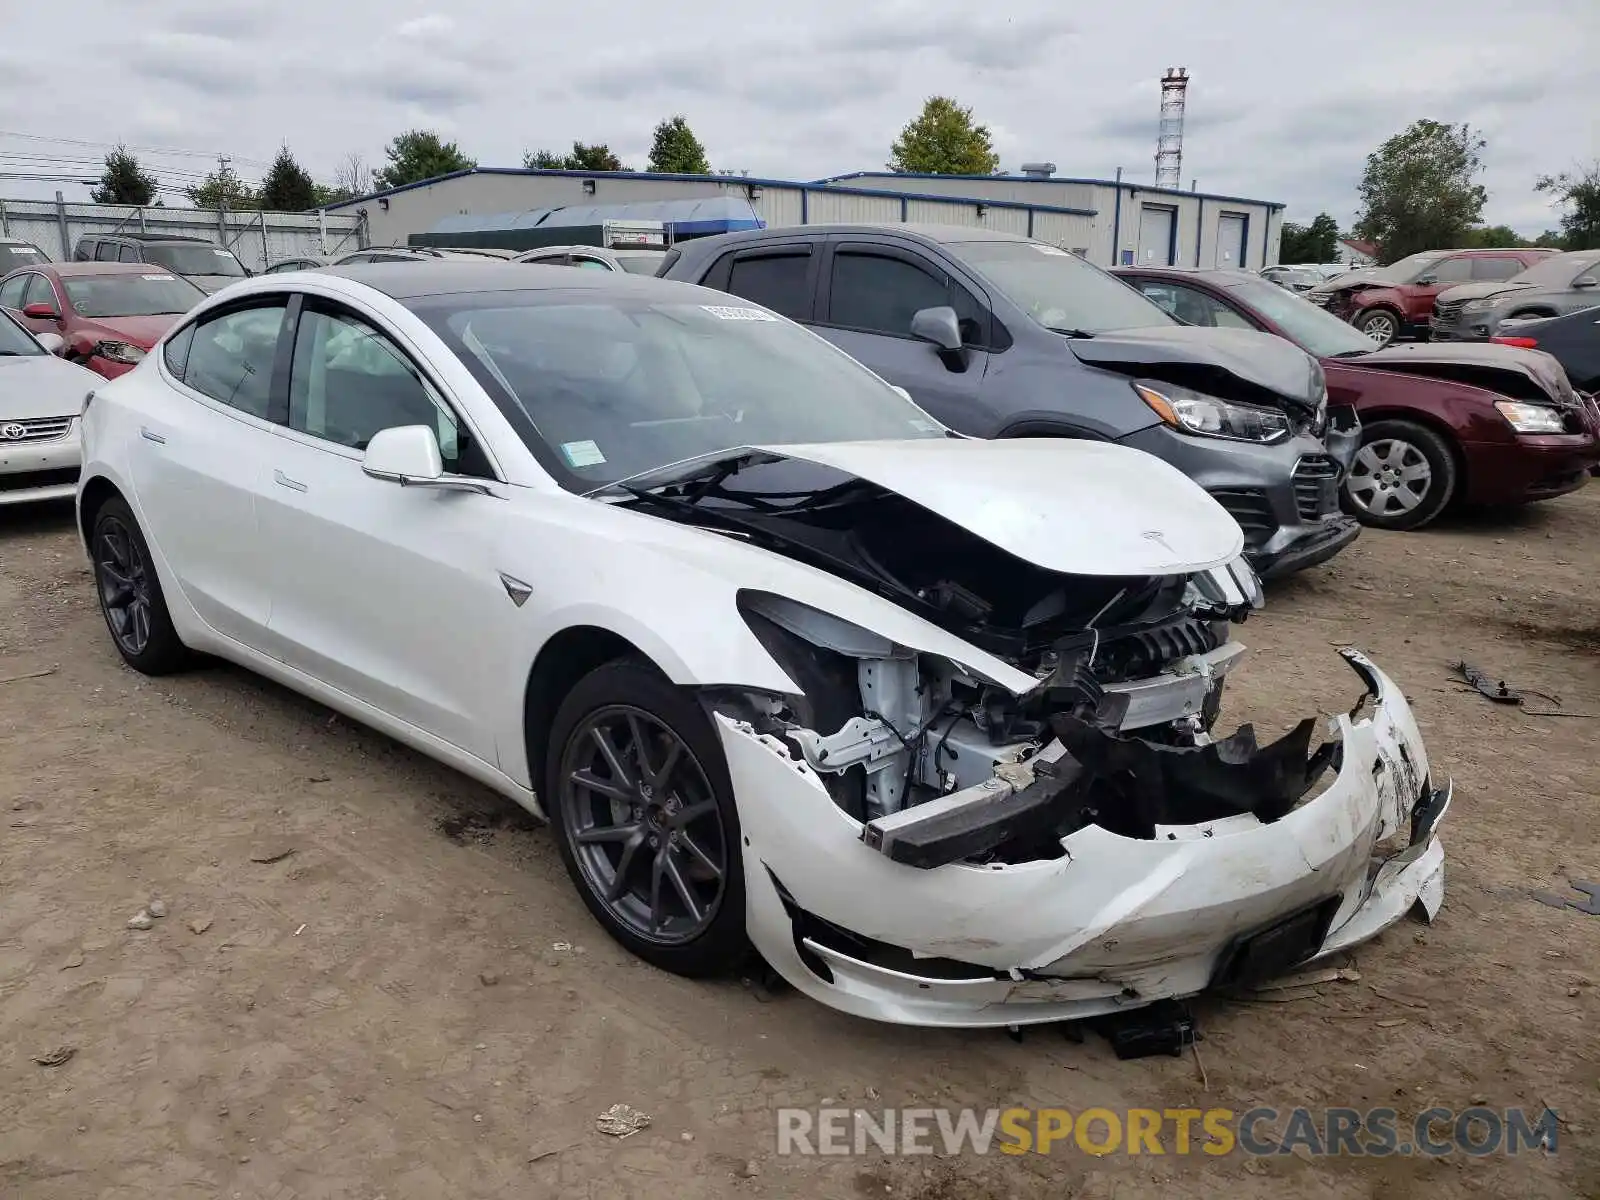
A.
x: 1131, y: 185
x: 688, y: 218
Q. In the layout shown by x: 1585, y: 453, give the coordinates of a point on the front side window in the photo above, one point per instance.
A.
x: 11, y: 291
x: 230, y: 357
x: 602, y: 386
x: 128, y: 254
x: 881, y: 294
x: 133, y: 294
x: 776, y: 281
x: 593, y: 264
x: 348, y: 381
x: 1453, y: 270
x: 39, y: 291
x: 107, y: 252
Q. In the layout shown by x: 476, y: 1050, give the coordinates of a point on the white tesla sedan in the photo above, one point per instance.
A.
x: 925, y: 719
x: 40, y: 396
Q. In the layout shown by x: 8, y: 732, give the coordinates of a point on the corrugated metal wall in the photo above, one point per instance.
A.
x: 1070, y: 232
x: 1055, y: 193
x: 287, y: 235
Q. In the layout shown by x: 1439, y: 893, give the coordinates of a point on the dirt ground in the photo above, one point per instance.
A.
x: 384, y: 1012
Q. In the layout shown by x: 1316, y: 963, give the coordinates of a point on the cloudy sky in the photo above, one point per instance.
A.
x: 1283, y: 104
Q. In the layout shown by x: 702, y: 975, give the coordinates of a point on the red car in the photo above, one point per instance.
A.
x: 109, y: 313
x: 1397, y: 301
x: 1457, y: 422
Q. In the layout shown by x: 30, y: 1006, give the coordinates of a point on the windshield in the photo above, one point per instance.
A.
x: 130, y: 295
x: 197, y: 259
x: 14, y: 339
x: 1557, y: 270
x: 13, y: 255
x: 1060, y: 290
x: 1316, y: 330
x: 604, y: 386
x: 1409, y: 267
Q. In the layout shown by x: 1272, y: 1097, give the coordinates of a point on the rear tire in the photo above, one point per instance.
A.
x: 1403, y: 476
x: 131, y: 600
x: 637, y: 791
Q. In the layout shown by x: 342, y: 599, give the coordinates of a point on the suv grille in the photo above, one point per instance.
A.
x: 1251, y: 509
x: 1316, y: 486
x: 36, y: 429
x: 1448, y: 312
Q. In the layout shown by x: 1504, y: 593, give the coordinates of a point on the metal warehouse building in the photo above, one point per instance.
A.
x: 1107, y: 222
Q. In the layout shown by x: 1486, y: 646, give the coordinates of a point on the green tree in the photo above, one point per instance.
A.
x: 223, y: 189
x: 1578, y: 198
x: 1418, y: 190
x: 419, y: 154
x: 543, y: 160
x: 942, y: 140
x: 1317, y: 242
x: 123, y: 181
x: 597, y: 157
x: 288, y: 186
x: 1494, y: 237
x: 676, y: 150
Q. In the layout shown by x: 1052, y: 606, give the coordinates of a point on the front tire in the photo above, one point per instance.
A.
x: 131, y: 600
x: 1403, y: 476
x: 1380, y: 325
x: 637, y: 790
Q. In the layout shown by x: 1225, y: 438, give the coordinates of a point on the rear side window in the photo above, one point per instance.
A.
x: 1496, y: 268
x: 129, y: 254
x: 777, y: 281
x: 84, y: 252
x: 229, y: 357
x: 106, y: 252
x: 176, y: 351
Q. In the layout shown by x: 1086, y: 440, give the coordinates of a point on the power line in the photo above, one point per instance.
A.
x: 208, y: 154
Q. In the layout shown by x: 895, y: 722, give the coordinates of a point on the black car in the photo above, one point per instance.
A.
x: 1573, y: 340
x: 205, y: 264
x: 999, y: 335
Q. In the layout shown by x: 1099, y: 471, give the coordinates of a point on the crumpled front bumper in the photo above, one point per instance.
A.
x: 1115, y: 923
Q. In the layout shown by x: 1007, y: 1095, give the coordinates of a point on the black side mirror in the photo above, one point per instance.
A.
x: 939, y: 326
x: 1588, y: 281
x: 1423, y: 280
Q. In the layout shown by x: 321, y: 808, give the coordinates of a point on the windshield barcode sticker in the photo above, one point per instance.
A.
x: 1042, y: 248
x: 582, y: 454
x: 156, y: 278
x: 730, y: 313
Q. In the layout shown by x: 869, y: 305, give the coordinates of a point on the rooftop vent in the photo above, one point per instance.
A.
x: 1038, y: 170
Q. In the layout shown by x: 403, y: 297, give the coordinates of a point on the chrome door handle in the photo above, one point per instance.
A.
x: 151, y: 435
x: 293, y: 485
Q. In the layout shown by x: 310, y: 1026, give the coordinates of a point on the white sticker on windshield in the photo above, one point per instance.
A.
x: 582, y: 454
x: 1044, y: 249
x: 156, y: 278
x: 729, y: 312
x: 222, y: 253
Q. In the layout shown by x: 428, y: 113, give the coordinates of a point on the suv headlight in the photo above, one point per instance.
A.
x: 119, y: 352
x: 1192, y: 412
x: 1478, y: 306
x: 1531, y: 418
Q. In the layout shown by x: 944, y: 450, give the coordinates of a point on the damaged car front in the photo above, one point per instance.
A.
x: 1038, y: 820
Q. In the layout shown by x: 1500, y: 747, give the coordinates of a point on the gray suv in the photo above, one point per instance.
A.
x: 1001, y: 336
x: 1552, y: 287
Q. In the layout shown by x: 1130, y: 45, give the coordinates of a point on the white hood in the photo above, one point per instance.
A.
x: 42, y: 385
x: 1081, y: 508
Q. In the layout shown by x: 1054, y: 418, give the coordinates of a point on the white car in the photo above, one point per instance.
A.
x: 782, y: 660
x: 40, y: 397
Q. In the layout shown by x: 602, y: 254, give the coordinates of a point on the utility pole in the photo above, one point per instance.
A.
x: 222, y: 198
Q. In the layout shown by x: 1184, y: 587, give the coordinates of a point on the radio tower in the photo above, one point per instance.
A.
x: 1169, y: 142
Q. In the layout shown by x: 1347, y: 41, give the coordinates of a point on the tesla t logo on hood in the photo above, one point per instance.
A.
x: 1155, y: 535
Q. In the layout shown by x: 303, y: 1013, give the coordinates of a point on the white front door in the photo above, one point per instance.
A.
x: 388, y: 593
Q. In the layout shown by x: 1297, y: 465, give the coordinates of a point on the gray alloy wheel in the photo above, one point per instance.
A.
x: 1380, y: 325
x: 1389, y: 478
x: 124, y: 583
x: 643, y: 825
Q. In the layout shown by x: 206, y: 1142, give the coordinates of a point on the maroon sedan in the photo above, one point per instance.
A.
x: 1457, y: 422
x: 109, y: 313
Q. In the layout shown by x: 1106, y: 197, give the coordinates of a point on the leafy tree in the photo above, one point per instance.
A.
x: 1551, y: 239
x: 1578, y: 197
x: 1317, y: 242
x: 543, y: 160
x: 223, y: 189
x: 597, y: 157
x: 942, y: 140
x: 419, y: 154
x: 677, y: 151
x: 288, y: 186
x: 123, y: 182
x: 1494, y: 237
x: 1417, y: 192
